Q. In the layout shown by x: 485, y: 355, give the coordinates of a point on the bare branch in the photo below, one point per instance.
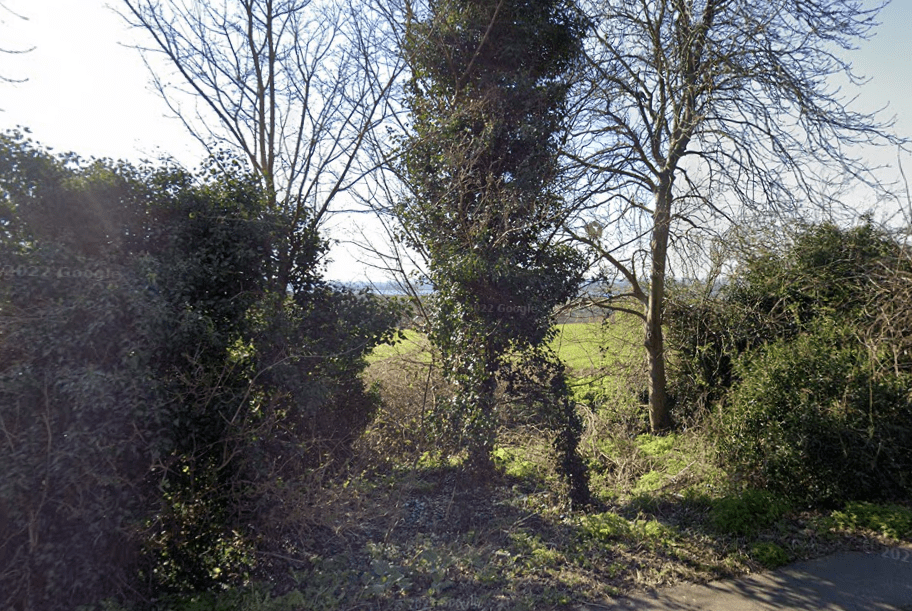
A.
x: 6, y: 79
x: 715, y: 111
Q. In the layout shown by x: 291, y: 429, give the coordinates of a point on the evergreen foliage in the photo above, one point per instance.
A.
x: 486, y: 97
x: 160, y: 405
x: 810, y: 375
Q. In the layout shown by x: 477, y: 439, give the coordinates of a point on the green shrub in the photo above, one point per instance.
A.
x: 657, y: 446
x: 749, y: 512
x: 604, y: 527
x: 77, y: 402
x: 892, y: 520
x: 703, y: 337
x: 805, y: 354
x: 854, y: 277
x: 650, y: 482
x: 769, y: 554
x: 514, y: 463
x: 809, y: 421
x: 162, y: 406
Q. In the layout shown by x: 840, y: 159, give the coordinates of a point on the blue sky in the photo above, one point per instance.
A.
x: 887, y: 60
x: 88, y: 92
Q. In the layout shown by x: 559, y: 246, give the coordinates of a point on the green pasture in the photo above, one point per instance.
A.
x: 589, y: 349
x: 594, y: 348
x: 411, y: 345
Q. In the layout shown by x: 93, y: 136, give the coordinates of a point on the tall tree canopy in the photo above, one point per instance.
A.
x: 693, y: 112
x: 292, y: 86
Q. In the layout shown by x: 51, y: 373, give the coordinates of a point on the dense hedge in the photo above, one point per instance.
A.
x: 162, y: 405
x: 809, y: 419
x: 804, y: 355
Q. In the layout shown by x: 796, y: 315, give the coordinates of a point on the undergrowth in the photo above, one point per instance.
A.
x: 401, y: 526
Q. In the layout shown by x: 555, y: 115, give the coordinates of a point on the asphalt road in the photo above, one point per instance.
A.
x: 852, y: 581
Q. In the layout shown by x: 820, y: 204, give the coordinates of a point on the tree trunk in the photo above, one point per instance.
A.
x: 659, y: 417
x: 482, y: 425
x: 483, y: 430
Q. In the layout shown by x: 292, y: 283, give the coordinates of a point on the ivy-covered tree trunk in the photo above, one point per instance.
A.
x: 486, y: 97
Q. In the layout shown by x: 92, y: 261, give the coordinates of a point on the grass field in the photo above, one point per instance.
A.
x: 585, y: 347
x: 413, y: 345
x: 588, y: 347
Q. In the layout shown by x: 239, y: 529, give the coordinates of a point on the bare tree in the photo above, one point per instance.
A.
x: 293, y: 86
x: 693, y: 114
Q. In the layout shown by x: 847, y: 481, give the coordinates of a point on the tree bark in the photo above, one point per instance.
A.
x: 483, y: 429
x: 659, y: 416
